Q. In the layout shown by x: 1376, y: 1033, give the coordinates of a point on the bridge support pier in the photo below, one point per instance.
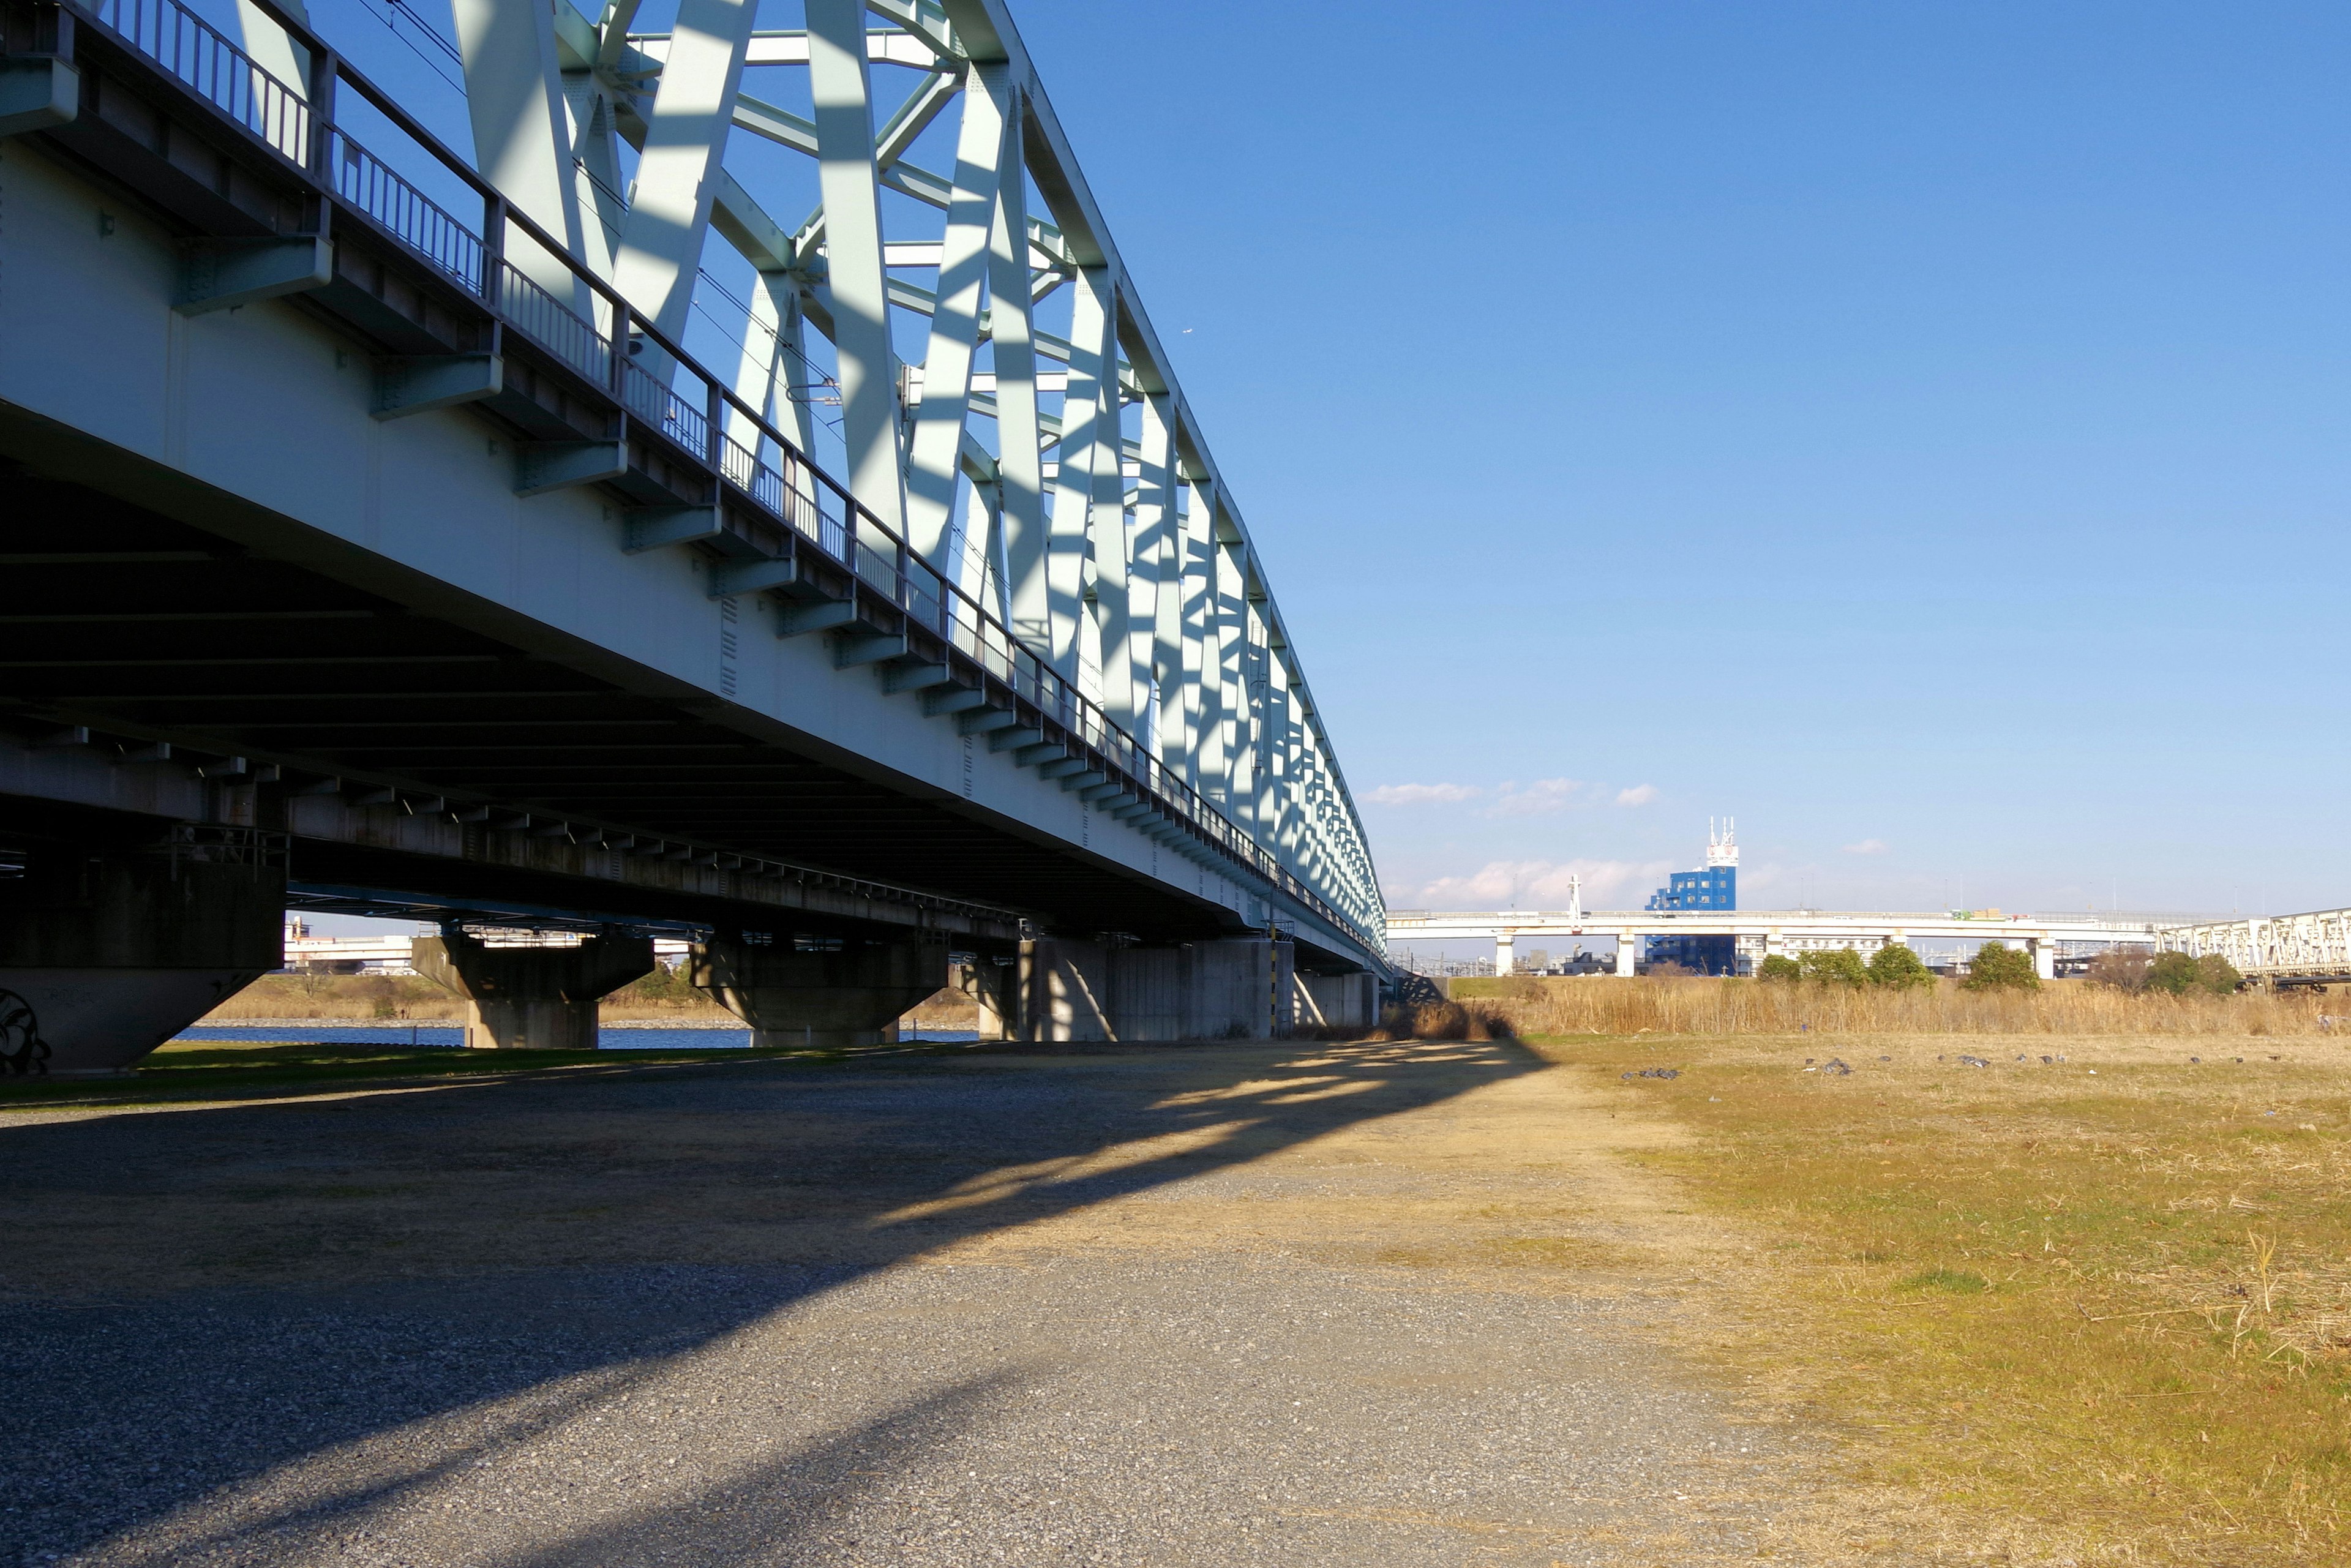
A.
x: 1506, y: 947
x: 1236, y: 988
x: 847, y: 998
x: 532, y: 998
x: 106, y: 954
x: 1628, y: 954
x: 2044, y: 956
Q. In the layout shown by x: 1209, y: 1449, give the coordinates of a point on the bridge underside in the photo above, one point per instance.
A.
x: 222, y: 634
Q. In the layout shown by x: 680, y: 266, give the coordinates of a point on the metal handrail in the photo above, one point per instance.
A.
x: 201, y: 55
x: 795, y: 492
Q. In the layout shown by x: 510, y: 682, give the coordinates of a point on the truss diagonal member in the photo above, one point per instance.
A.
x: 840, y: 85
x: 522, y: 140
x: 772, y: 376
x: 267, y: 44
x: 944, y: 409
x: 685, y: 135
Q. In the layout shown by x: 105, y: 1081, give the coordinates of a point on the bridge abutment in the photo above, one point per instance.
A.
x: 847, y: 998
x: 532, y: 997
x: 107, y: 953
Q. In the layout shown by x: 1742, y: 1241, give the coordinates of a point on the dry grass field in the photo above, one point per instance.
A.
x: 1605, y: 1005
x: 2070, y: 1298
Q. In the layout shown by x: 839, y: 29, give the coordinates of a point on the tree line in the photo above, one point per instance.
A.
x: 1999, y: 967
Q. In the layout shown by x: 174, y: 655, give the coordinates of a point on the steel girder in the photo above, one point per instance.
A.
x: 1082, y: 501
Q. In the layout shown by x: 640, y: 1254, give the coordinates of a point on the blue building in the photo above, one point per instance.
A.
x: 1716, y: 887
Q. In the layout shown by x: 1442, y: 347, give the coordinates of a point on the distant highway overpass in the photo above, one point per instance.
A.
x: 1764, y: 933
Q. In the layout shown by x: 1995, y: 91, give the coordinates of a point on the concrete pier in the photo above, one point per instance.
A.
x: 107, y: 953
x: 848, y: 996
x: 1240, y: 987
x: 532, y: 997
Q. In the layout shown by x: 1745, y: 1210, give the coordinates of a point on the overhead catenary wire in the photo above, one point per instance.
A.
x: 397, y: 8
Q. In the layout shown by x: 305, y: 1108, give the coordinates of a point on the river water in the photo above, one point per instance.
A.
x: 425, y: 1035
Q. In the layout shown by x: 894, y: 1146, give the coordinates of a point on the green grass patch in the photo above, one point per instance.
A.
x: 1951, y: 1282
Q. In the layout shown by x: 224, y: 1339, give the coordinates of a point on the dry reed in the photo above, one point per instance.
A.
x: 1607, y: 1005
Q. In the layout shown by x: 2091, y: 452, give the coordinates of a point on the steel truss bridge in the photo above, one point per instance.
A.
x: 1764, y: 933
x: 2311, y: 949
x: 387, y: 507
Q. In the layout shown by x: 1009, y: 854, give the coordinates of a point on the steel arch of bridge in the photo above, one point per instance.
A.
x: 1064, y: 488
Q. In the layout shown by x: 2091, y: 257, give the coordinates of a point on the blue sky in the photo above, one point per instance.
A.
x: 1918, y: 430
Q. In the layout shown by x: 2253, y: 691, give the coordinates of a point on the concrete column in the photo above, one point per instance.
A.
x: 993, y: 981
x: 107, y: 953
x: 2044, y: 956
x: 1337, y: 1002
x: 845, y: 997
x: 1064, y: 990
x: 1075, y: 991
x: 1506, y: 946
x: 1628, y: 954
x: 531, y: 998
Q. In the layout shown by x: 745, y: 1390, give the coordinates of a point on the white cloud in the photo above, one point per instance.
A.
x: 1539, y: 799
x: 1542, y: 884
x: 1638, y: 795
x: 1422, y: 794
x: 1867, y: 847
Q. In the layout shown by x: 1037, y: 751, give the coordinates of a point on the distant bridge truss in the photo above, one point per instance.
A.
x: 2284, y: 949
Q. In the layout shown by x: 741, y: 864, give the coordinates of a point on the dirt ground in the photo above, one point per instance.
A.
x: 1360, y: 1304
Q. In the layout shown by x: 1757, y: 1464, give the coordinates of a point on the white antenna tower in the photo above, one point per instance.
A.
x: 1721, y: 847
x: 1576, y: 901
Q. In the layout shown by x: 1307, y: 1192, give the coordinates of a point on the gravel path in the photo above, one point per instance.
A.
x: 1215, y: 1305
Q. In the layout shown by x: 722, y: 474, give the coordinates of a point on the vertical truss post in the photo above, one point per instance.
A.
x: 522, y: 142
x: 1082, y: 495
x: 1231, y: 651
x: 1197, y: 594
x: 856, y: 282
x: 1020, y: 445
x: 677, y: 170
x: 1151, y: 645
x: 936, y: 459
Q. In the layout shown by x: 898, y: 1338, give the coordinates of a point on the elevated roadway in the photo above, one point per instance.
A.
x: 1761, y: 933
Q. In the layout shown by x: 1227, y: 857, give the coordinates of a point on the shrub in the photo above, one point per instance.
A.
x: 1840, y: 967
x: 664, y: 987
x: 2180, y: 974
x: 1778, y: 967
x: 2220, y: 976
x: 1899, y: 969
x: 2121, y: 969
x: 2000, y: 967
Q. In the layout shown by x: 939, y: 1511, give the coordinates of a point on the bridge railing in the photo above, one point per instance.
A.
x: 616, y: 352
x: 417, y: 221
x: 203, y: 57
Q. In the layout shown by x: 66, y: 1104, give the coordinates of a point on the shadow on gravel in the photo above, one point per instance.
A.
x: 198, y: 1299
